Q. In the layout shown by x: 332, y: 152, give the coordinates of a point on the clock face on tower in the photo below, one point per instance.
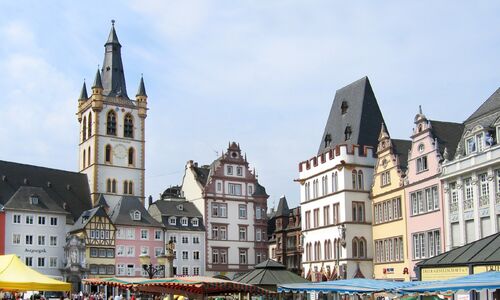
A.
x: 120, y: 151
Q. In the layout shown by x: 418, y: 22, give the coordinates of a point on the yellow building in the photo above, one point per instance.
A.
x: 390, y: 259
x: 98, y: 232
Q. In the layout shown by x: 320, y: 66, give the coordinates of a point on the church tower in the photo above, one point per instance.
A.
x: 111, y: 145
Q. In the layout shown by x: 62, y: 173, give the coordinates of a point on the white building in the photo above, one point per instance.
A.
x: 185, y: 227
x: 112, y: 128
x: 471, y: 179
x: 234, y: 208
x: 335, y: 186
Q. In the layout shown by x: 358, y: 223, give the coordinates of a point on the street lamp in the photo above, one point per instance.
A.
x: 148, y: 266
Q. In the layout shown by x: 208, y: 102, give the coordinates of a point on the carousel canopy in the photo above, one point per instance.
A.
x: 349, y: 286
x: 486, y: 280
x: 16, y: 276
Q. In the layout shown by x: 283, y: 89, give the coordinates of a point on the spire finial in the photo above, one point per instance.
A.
x: 113, y: 23
x: 420, y: 109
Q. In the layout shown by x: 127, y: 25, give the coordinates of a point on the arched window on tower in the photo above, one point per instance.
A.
x: 362, y: 248
x: 125, y: 187
x: 107, y: 154
x: 108, y: 186
x: 88, y: 157
x: 354, y: 179
x: 84, y: 156
x: 113, y: 186
x: 131, y: 156
x: 90, y: 126
x: 84, y: 129
x: 130, y: 188
x: 111, y: 123
x: 128, y: 126
x: 360, y: 180
x: 355, y: 247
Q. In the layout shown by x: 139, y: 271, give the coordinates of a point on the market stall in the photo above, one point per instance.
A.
x: 16, y: 276
x: 476, y: 282
x: 349, y: 286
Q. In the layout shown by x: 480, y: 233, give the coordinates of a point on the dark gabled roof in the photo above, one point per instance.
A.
x: 62, y: 186
x: 282, y: 210
x: 448, y: 135
x: 83, y: 93
x: 362, y: 115
x: 401, y: 148
x: 113, y: 76
x: 259, y: 190
x: 485, y: 250
x: 121, y: 210
x: 20, y: 200
x: 102, y: 201
x: 202, y: 174
x: 86, y: 216
x: 272, y: 275
x: 170, y: 208
x: 490, y: 105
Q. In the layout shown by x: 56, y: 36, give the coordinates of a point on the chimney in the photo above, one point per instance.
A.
x: 150, y: 200
x: 196, y: 164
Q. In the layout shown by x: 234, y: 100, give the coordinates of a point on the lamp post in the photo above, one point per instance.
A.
x: 342, y: 242
x: 148, y: 266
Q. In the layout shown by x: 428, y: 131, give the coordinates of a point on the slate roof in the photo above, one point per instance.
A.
x: 169, y: 208
x: 259, y: 190
x: 282, y: 210
x: 202, y: 174
x: 86, y: 216
x: 270, y: 273
x: 448, y: 135
x: 62, y: 186
x: 363, y: 115
x: 21, y: 201
x: 483, y: 251
x: 491, y: 104
x: 401, y: 148
x: 113, y: 76
x: 120, y: 213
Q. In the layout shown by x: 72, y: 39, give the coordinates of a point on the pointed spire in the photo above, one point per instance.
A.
x: 142, y: 90
x: 113, y: 76
x: 83, y: 93
x: 97, y: 80
x: 383, y: 133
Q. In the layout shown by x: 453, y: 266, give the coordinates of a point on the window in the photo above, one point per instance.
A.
x: 239, y: 171
x: 484, y: 190
x: 107, y: 154
x: 229, y: 170
x: 136, y: 215
x: 308, y: 219
x: 316, y: 217
x: 130, y: 251
x: 468, y: 194
x: 219, y: 232
x: 426, y: 244
x: 88, y: 157
x: 336, y: 208
x: 196, y: 271
x: 173, y: 238
x: 130, y: 234
x: 119, y: 250
x: 347, y: 132
x: 16, y: 219
x: 196, y: 240
x: 185, y: 255
x: 52, y: 262
x: 358, y: 211
x: 360, y: 180
x: 421, y: 164
x: 84, y: 131
x: 243, y: 233
x: 326, y: 215
x: 243, y: 256
x: 90, y: 127
x: 219, y: 210
x: 28, y: 261
x: 29, y: 220
x: 385, y: 178
x: 158, y: 235
x: 41, y: 240
x: 128, y: 126
x: 250, y: 190
x: 111, y: 123
x: 234, y: 189
x: 425, y: 200
x: 172, y: 221
x: 84, y: 156
x: 354, y: 179
x: 185, y: 271
x: 144, y: 234
x: 185, y: 239
x: 53, y: 221
x: 184, y: 221
x: 242, y: 208
x: 219, y: 186
x: 307, y: 191
x: 131, y: 156
x: 16, y: 239
x: 343, y: 107
x: 421, y: 148
x: 335, y: 182
x: 41, y: 262
x: 29, y: 239
x: 196, y: 255
x: 194, y: 222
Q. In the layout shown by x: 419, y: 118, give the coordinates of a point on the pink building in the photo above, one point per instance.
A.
x: 137, y: 233
x: 423, y: 189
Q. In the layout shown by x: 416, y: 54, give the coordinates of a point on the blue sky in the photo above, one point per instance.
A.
x: 262, y: 73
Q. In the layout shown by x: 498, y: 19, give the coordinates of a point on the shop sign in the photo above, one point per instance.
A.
x: 486, y: 268
x: 445, y: 273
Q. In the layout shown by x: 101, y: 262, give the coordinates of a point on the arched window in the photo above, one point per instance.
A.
x: 130, y: 188
x: 360, y: 180
x: 113, y: 186
x: 108, y: 186
x: 125, y: 187
x: 84, y: 156
x: 130, y: 156
x: 361, y: 215
x: 107, y: 154
x: 128, y: 126
x: 335, y: 248
x: 90, y: 125
x: 88, y: 157
x: 354, y: 247
x: 362, y: 248
x: 326, y: 249
x: 354, y: 179
x: 111, y: 123
x: 84, y: 130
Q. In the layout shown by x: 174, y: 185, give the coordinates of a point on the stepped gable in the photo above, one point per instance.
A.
x: 69, y: 190
x: 354, y: 112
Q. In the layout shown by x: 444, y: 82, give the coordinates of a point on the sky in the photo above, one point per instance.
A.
x: 261, y: 73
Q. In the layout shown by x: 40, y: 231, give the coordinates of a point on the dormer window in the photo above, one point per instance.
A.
x: 194, y: 222
x: 347, y: 132
x: 180, y: 207
x: 33, y: 199
x: 184, y: 221
x: 475, y: 143
x: 328, y: 140
x: 136, y: 215
x: 343, y: 107
x: 172, y: 221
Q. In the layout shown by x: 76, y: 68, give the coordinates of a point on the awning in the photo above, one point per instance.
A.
x: 486, y: 280
x: 349, y: 286
x: 16, y: 276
